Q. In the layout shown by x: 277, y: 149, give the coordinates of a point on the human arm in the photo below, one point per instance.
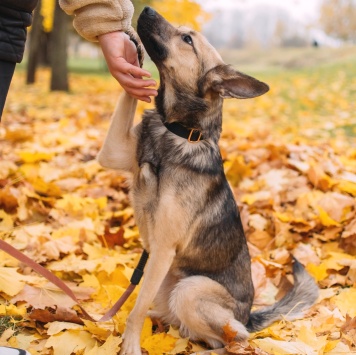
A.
x: 106, y: 21
x: 121, y: 57
x: 15, y: 17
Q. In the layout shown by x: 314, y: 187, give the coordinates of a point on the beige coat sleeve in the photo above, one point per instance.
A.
x: 93, y: 18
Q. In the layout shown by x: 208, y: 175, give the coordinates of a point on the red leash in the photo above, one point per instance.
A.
x: 135, y: 280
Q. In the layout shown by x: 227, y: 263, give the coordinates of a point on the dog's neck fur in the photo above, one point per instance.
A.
x: 177, y: 104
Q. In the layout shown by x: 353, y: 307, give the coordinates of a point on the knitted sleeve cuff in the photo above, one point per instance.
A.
x: 96, y: 17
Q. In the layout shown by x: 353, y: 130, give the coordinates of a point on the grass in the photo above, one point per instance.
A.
x: 312, y: 90
x: 8, y: 322
x: 288, y: 59
x: 269, y: 61
x: 312, y: 93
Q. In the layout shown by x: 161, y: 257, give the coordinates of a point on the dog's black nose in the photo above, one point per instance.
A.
x: 149, y: 11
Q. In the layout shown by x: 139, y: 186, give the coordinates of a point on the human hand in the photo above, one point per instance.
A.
x: 121, y: 57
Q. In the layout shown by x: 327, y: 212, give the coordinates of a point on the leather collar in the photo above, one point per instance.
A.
x: 192, y: 135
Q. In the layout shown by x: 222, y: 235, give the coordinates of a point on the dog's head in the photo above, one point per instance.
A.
x: 192, y: 73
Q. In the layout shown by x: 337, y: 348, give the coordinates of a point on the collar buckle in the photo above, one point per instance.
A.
x: 193, y: 131
x: 192, y: 135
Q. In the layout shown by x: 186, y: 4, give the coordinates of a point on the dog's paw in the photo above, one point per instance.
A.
x: 130, y: 347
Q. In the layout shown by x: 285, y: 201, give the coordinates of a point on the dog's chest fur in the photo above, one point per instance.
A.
x: 181, y: 187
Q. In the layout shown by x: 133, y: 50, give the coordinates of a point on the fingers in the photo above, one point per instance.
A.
x: 138, y: 72
x: 141, y: 93
x: 137, y: 87
x: 121, y: 57
x: 130, y: 78
x: 127, y: 80
x: 121, y: 66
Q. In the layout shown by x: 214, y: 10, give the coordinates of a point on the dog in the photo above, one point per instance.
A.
x: 198, y: 276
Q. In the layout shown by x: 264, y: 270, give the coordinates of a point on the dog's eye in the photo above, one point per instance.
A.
x: 187, y: 39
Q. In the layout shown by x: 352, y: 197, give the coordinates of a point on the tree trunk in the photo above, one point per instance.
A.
x: 59, y: 39
x: 44, y: 50
x: 34, y: 44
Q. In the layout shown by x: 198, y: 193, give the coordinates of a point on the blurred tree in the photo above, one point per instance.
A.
x: 182, y: 12
x: 338, y: 19
x: 48, y: 44
x: 49, y: 33
x: 34, y: 47
x: 58, y: 50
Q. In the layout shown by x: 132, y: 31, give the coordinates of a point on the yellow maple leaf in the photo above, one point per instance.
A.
x: 256, y: 196
x: 278, y: 347
x: 109, y: 294
x: 335, y: 260
x: 98, y: 329
x: 348, y: 187
x: 70, y: 341
x: 90, y: 280
x: 111, y: 346
x: 345, y: 301
x: 57, y: 327
x: 24, y: 341
x: 182, y: 12
x: 6, y: 222
x: 46, y: 188
x: 237, y: 169
x: 159, y: 344
x: 10, y: 281
x: 317, y: 271
x: 339, y: 348
x: 181, y: 346
x: 325, y: 219
x: 146, y: 330
x: 319, y: 179
x: 12, y: 310
x: 34, y: 157
x: 308, y: 336
x: 120, y: 320
x: 330, y: 345
x: 81, y: 206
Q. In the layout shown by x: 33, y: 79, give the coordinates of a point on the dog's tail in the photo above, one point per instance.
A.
x: 302, y: 296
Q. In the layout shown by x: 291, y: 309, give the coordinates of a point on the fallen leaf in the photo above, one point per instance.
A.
x: 8, y: 202
x: 59, y: 314
x: 109, y: 239
x: 279, y: 347
x: 111, y: 346
x: 57, y: 327
x: 243, y: 349
x: 11, y: 282
x: 70, y: 341
x: 158, y: 344
x: 345, y: 301
x: 34, y: 157
x: 50, y: 296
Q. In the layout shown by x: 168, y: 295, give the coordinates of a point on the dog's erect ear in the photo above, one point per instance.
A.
x: 229, y: 83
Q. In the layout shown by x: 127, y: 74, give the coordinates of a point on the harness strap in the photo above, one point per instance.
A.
x: 135, y: 279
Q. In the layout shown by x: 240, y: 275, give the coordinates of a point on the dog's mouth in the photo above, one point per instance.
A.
x: 154, y: 31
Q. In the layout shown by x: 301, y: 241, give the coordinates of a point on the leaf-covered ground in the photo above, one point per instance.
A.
x: 290, y: 157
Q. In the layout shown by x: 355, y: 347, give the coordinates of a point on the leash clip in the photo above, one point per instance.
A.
x: 192, y: 131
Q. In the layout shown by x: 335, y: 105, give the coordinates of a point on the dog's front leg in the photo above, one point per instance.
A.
x: 158, y: 265
x: 118, y: 150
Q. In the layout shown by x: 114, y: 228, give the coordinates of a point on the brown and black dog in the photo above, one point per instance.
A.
x: 198, y: 276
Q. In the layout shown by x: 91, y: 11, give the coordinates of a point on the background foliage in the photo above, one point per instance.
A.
x: 290, y: 157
